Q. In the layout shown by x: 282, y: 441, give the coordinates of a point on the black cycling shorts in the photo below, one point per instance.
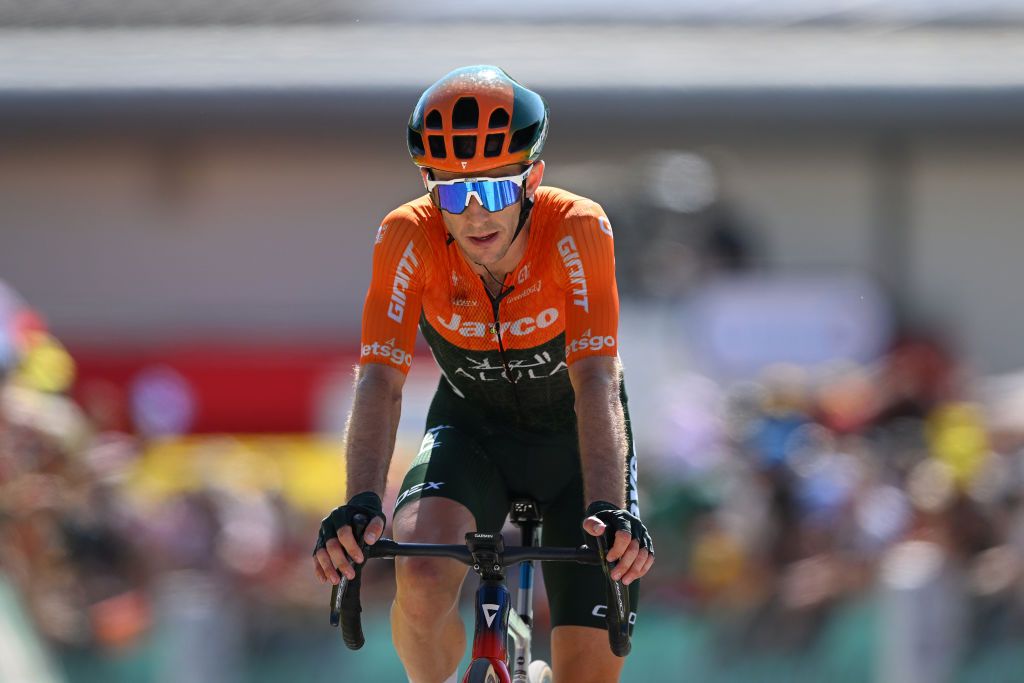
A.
x: 483, y: 464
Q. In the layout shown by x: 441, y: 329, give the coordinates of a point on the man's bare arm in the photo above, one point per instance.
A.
x: 603, y: 446
x: 602, y: 428
x: 372, y: 426
x: 369, y: 444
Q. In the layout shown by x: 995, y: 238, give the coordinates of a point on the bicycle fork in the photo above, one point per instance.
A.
x: 521, y: 623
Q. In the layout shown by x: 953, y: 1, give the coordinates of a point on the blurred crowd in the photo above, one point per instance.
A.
x: 784, y: 500
x: 98, y: 565
x: 774, y: 504
x: 196, y: 577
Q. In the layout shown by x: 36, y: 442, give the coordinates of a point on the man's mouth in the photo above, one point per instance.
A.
x: 484, y: 239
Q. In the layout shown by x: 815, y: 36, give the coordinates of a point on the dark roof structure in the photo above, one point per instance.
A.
x: 856, y: 72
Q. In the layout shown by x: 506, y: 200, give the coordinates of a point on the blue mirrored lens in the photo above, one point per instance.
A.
x: 494, y: 195
x: 452, y: 198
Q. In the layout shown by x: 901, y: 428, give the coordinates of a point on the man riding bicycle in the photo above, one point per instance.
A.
x: 513, y: 286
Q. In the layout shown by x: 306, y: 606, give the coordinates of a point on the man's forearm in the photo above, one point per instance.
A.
x: 371, y: 429
x: 602, y: 435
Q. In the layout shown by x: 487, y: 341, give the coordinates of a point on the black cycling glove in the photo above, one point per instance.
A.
x: 366, y: 504
x: 617, y: 519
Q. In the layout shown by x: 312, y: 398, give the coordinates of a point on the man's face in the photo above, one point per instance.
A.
x: 485, y: 237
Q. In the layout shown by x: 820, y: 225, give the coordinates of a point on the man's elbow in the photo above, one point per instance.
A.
x: 597, y: 375
x: 379, y: 379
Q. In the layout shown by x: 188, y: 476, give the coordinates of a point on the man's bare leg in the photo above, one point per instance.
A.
x: 580, y: 654
x: 426, y: 628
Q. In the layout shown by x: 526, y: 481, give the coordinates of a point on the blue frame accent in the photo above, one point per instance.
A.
x: 526, y: 575
x: 493, y: 594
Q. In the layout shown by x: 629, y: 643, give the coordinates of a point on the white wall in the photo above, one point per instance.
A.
x: 967, y: 255
x: 153, y: 240
x: 138, y: 238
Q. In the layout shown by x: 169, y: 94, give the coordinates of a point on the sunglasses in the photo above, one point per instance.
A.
x: 494, y: 194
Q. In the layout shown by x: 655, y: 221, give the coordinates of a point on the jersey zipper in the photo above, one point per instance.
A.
x: 495, y: 306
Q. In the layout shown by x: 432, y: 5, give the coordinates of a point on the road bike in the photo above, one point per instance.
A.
x: 496, y: 619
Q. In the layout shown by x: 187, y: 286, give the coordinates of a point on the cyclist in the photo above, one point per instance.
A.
x: 513, y: 286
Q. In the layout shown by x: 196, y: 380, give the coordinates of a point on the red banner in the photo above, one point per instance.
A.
x: 204, y: 389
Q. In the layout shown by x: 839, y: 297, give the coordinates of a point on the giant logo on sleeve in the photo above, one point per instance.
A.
x: 406, y: 266
x: 574, y: 267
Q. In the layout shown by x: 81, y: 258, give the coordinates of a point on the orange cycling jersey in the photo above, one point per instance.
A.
x: 507, y: 355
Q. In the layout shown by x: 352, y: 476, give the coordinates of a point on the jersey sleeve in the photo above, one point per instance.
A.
x: 586, y: 251
x: 392, y: 308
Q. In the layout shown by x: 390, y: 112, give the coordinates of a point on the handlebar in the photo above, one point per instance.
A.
x: 346, y: 608
x: 387, y: 549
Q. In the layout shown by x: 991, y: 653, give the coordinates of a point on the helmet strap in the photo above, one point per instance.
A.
x: 525, y: 206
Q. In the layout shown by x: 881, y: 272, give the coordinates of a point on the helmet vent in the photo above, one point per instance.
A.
x: 437, y: 149
x: 499, y: 119
x: 493, y: 144
x: 434, y: 120
x: 464, y: 146
x: 466, y: 114
x: 416, y: 143
x: 522, y: 138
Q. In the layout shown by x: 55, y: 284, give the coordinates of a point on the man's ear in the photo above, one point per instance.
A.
x: 534, y: 179
x: 425, y: 174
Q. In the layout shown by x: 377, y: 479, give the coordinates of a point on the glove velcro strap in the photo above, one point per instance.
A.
x: 601, y: 506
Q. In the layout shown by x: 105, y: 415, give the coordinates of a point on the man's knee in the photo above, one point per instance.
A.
x: 433, y: 520
x: 428, y: 588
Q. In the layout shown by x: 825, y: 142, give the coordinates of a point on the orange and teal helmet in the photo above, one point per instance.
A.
x: 477, y: 118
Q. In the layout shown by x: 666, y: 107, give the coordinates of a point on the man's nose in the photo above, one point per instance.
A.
x: 475, y: 211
